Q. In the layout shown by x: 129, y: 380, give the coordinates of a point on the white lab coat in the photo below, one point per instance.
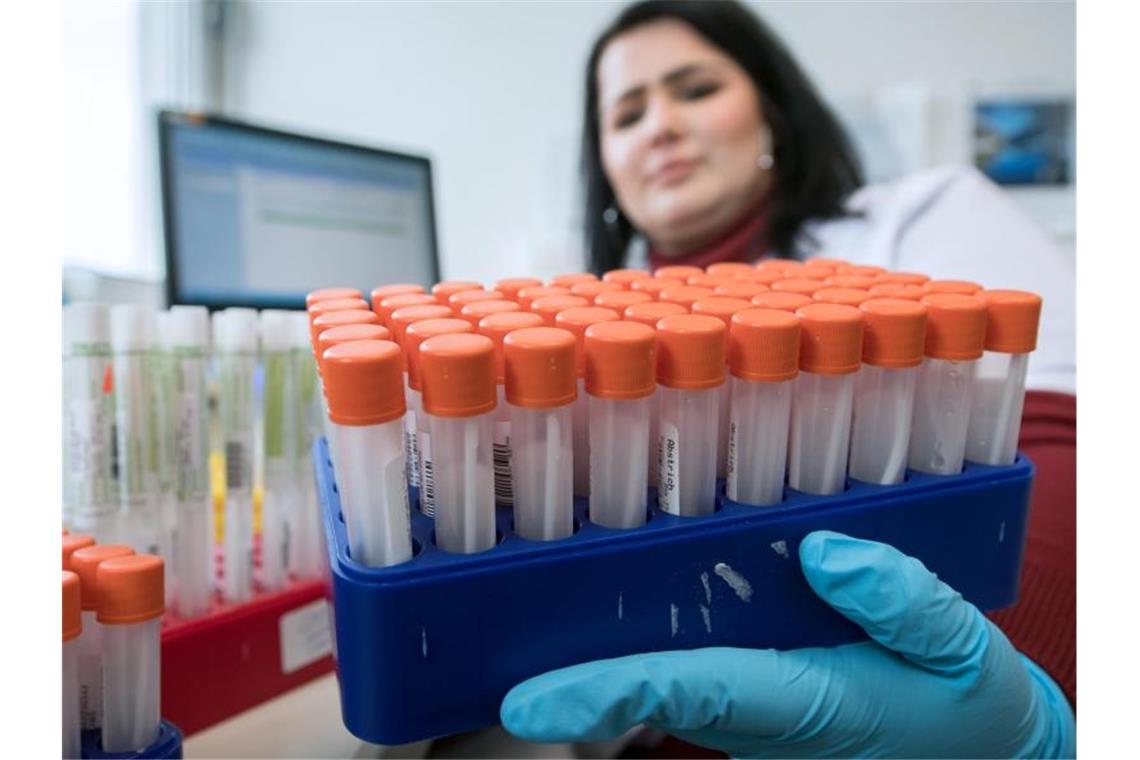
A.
x: 953, y: 223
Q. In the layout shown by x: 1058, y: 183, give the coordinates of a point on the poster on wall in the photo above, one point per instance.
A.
x: 1024, y: 141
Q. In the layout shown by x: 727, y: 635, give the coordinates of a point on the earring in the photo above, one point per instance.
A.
x: 766, y: 161
x: 610, y: 215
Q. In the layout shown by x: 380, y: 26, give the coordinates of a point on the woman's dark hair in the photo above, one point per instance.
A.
x: 816, y: 168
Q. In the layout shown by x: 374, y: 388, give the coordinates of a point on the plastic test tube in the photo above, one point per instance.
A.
x: 680, y: 272
x: 444, y: 290
x: 189, y: 340
x: 458, y: 300
x: 999, y: 386
x: 540, y: 390
x: 280, y: 427
x: 894, y: 333
x: 131, y: 329
x: 626, y: 277
x: 721, y: 307
x: 473, y: 312
x: 73, y: 542
x: 690, y: 372
x: 576, y: 320
x: 331, y: 294
x: 621, y: 299
x: 415, y: 424
x: 305, y: 534
x: 648, y: 315
x: 378, y: 294
x: 72, y: 627
x: 527, y: 296
x: 511, y: 286
x: 236, y: 345
x: 955, y: 337
x: 416, y: 334
x: 390, y: 304
x: 763, y: 360
x: 685, y: 295
x: 91, y: 498
x: 163, y: 422
x: 591, y: 290
x: 130, y: 611
x: 831, y: 349
x: 549, y: 306
x: 572, y: 279
x: 459, y: 402
x: 84, y: 563
x: 496, y: 327
x: 366, y: 407
x: 782, y: 300
x: 621, y: 364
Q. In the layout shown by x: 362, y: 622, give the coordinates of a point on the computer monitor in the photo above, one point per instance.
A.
x: 259, y: 217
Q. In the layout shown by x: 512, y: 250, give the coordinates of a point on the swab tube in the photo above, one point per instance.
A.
x: 365, y: 391
x: 459, y: 403
x: 763, y: 360
x: 955, y: 338
x: 831, y: 347
x: 390, y: 304
x: 72, y: 627
x: 279, y: 431
x: 576, y: 320
x: 782, y: 300
x: 444, y: 290
x: 626, y: 277
x: 162, y: 415
x: 894, y: 335
x: 73, y: 542
x: 305, y: 533
x: 130, y: 611
x: 527, y: 296
x: 236, y: 343
x: 416, y: 334
x: 621, y: 364
x: 571, y: 279
x: 721, y: 307
x: 540, y: 391
x: 189, y: 341
x: 91, y: 497
x: 619, y: 300
x: 331, y: 294
x: 511, y: 286
x: 84, y: 563
x: 549, y: 306
x: 378, y: 294
x: 473, y: 312
x: 685, y: 295
x: 131, y: 329
x: 999, y: 386
x: 648, y: 314
x: 496, y: 327
x: 690, y: 372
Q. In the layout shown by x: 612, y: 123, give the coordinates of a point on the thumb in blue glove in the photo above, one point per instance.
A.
x: 938, y: 679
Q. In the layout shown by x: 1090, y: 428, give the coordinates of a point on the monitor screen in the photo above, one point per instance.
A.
x: 258, y: 217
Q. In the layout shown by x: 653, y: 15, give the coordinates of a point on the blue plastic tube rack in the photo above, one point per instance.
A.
x: 430, y: 647
x: 167, y: 746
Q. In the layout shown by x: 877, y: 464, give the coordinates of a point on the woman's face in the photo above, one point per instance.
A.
x: 681, y: 134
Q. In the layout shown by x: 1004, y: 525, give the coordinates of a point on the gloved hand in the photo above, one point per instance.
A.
x: 938, y: 679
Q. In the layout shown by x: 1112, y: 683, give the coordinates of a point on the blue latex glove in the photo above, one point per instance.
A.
x: 938, y: 680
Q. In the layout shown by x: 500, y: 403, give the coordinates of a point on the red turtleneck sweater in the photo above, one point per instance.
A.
x: 1043, y: 622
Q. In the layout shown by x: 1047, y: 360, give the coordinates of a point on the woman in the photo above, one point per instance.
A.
x: 704, y: 142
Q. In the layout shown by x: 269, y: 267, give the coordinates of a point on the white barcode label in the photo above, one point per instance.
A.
x: 305, y: 636
x: 668, y: 492
x: 411, y: 449
x: 427, y: 483
x: 501, y: 453
x: 730, y: 485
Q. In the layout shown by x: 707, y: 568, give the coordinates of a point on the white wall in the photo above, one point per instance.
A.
x: 492, y: 92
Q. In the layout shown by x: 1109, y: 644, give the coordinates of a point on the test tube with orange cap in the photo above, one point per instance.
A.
x: 527, y: 296
x: 763, y: 361
x: 549, y: 306
x: 236, y: 342
x: 573, y: 278
x: 680, y: 272
x: 130, y: 611
x: 648, y: 314
x: 416, y: 334
x: 690, y: 373
x: 446, y: 289
x: 621, y: 363
x: 594, y: 288
x: 955, y: 340
x: 459, y: 401
x: 366, y: 407
x: 894, y: 334
x: 831, y: 348
x: 394, y: 289
x: 390, y: 304
x: 72, y: 626
x: 722, y: 307
x: 540, y: 391
x: 84, y: 563
x: 576, y: 320
x: 193, y: 541
x: 458, y: 300
x: 330, y: 294
x: 90, y: 493
x: 685, y: 295
x: 626, y: 277
x: 619, y: 300
x: 511, y: 286
x: 496, y: 327
x: 999, y: 385
x: 473, y: 312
